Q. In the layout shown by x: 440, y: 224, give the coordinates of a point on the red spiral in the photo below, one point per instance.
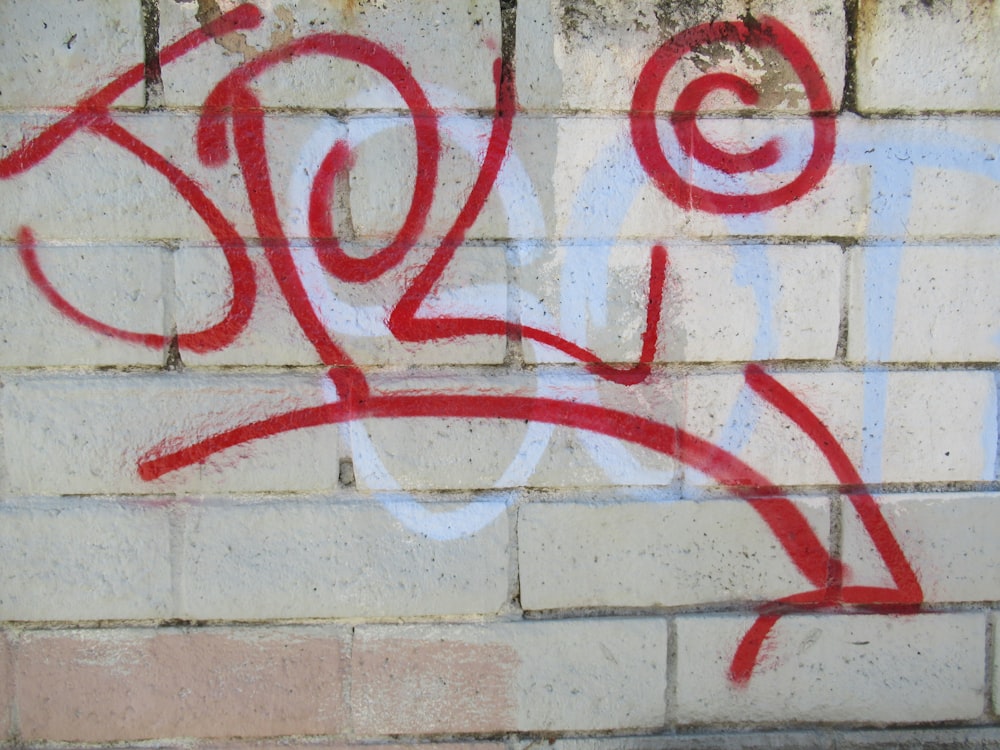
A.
x: 767, y: 33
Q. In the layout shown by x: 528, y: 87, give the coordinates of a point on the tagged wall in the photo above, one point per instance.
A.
x: 502, y: 371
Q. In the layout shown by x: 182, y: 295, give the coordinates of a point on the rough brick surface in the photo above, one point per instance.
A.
x: 362, y: 558
x: 641, y: 554
x: 888, y: 669
x: 96, y: 686
x: 948, y: 539
x: 95, y: 558
x: 530, y: 676
x: 894, y: 73
x: 480, y: 373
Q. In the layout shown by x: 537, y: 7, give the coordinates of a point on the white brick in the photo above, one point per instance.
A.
x: 89, y: 189
x: 857, y: 668
x: 317, y: 558
x: 203, y: 295
x: 54, y: 54
x: 895, y: 71
x: 645, y: 554
x: 938, y: 306
x: 585, y: 56
x: 454, y: 453
x: 86, y: 434
x: 121, y: 287
x: 449, y: 48
x: 927, y: 426
x: 719, y: 303
x: 940, y: 426
x: 950, y: 541
x: 532, y: 676
x: 84, y: 558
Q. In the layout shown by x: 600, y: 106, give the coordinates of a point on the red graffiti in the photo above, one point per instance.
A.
x: 766, y: 33
x: 232, y: 122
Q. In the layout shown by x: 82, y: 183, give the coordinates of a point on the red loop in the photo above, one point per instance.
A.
x: 768, y: 33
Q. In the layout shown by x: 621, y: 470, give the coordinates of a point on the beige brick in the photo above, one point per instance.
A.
x: 532, y: 676
x: 942, y: 310
x: 317, y: 558
x: 932, y: 426
x: 835, y: 668
x: 650, y: 554
x: 449, y: 48
x: 950, y: 540
x: 582, y: 56
x: 204, y: 290
x: 87, y: 434
x: 719, y: 304
x: 84, y: 559
x: 894, y: 71
x: 104, y: 685
x: 940, y: 426
x: 121, y: 287
x: 437, y: 454
x: 91, y: 190
x: 54, y: 54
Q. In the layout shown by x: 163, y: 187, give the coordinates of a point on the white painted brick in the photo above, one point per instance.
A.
x: 940, y: 426
x: 531, y: 676
x: 449, y: 48
x: 857, y: 668
x: 950, y: 541
x: 723, y: 410
x: 719, y: 304
x: 576, y: 458
x: 317, y: 558
x: 117, y: 286
x: 473, y: 285
x: 930, y: 426
x: 643, y: 554
x: 203, y: 294
x: 89, y: 189
x: 942, y: 311
x: 445, y: 454
x: 585, y: 56
x: 895, y: 71
x: 54, y: 54
x: 84, y: 558
x: 86, y: 434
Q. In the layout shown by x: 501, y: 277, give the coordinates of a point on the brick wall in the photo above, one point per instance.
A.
x: 491, y: 373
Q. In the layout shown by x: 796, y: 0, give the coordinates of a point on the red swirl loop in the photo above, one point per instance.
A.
x: 768, y: 33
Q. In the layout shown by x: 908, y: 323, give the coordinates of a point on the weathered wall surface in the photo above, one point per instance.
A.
x: 594, y: 374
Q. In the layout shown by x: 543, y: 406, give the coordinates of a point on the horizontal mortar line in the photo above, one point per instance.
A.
x: 490, y: 370
x: 748, y: 607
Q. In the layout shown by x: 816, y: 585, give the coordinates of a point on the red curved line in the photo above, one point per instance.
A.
x: 29, y: 257
x: 908, y: 592
x: 221, y: 103
x: 868, y: 510
x: 248, y: 132
x: 785, y: 520
x: 82, y: 114
x: 693, y: 142
x: 234, y: 249
x: 642, y: 119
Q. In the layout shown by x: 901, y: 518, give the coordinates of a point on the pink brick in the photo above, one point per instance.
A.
x: 97, y: 686
x: 6, y: 685
x: 427, y: 686
x: 593, y: 674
